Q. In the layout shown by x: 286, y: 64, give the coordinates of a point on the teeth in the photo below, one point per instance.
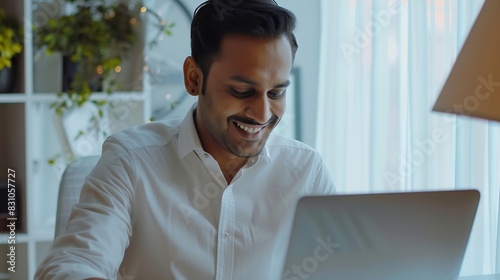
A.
x: 249, y: 130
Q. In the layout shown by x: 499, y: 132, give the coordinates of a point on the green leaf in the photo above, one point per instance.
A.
x: 101, y: 103
x: 80, y: 134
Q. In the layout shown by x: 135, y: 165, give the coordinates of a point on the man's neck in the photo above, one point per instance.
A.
x: 231, y: 167
x: 229, y: 163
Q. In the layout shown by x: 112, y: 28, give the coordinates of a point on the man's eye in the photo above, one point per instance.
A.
x: 276, y: 95
x: 240, y: 93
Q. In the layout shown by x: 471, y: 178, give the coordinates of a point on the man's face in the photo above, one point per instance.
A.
x: 244, y: 98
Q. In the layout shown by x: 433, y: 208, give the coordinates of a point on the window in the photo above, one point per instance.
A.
x: 383, y: 63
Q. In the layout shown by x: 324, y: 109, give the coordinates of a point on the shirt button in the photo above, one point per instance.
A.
x: 226, y: 234
x: 205, y: 154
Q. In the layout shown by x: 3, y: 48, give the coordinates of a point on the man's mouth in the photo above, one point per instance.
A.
x: 250, y: 129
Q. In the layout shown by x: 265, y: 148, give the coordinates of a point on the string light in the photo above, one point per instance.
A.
x: 168, y: 96
x: 99, y: 69
x: 163, y: 22
x: 143, y: 9
x: 118, y: 69
x: 133, y: 21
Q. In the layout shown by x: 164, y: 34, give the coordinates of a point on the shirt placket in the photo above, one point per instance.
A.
x: 225, y: 236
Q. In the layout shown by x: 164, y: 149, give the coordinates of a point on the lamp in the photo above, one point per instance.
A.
x: 473, y: 86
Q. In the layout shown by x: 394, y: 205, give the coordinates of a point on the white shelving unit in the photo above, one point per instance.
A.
x: 29, y: 139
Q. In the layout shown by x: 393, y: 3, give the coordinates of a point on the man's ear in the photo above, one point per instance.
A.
x: 193, y: 77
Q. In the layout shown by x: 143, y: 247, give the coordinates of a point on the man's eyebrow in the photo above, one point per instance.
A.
x: 283, y: 85
x: 250, y: 82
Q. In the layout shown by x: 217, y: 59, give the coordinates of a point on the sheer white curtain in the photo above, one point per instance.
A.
x: 383, y: 63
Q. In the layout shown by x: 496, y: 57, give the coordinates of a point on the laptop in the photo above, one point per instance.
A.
x: 389, y: 236
x: 473, y: 85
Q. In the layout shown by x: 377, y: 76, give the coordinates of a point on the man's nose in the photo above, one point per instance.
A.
x: 259, y: 108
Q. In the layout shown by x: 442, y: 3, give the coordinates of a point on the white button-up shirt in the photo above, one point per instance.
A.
x: 157, y: 206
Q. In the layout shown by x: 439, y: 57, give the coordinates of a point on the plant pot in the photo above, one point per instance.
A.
x: 8, y: 78
x: 76, y: 120
x: 70, y: 69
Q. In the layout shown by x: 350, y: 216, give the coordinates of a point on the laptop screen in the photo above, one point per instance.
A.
x: 415, y: 235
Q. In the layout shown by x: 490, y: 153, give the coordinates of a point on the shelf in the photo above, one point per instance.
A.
x: 118, y: 96
x: 32, y: 133
x: 20, y: 238
x: 12, y: 97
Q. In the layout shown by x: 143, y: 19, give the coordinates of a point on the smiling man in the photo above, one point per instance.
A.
x: 243, y: 99
x: 210, y: 196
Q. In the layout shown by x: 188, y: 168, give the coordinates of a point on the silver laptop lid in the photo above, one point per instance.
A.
x: 415, y: 235
x: 473, y: 86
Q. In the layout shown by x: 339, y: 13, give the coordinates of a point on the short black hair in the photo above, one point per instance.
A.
x: 215, y: 19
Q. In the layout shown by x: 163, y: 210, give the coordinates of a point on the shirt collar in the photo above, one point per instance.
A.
x: 188, y: 136
x: 189, y: 139
x: 264, y: 154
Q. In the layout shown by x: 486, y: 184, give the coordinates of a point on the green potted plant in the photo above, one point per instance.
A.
x: 94, y: 40
x: 10, y: 47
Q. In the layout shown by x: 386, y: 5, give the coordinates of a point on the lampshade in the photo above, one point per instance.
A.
x: 473, y: 86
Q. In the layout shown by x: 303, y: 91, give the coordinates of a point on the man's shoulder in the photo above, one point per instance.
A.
x: 295, y: 158
x: 281, y: 143
x: 156, y: 133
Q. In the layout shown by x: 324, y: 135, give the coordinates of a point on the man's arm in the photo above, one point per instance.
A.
x: 99, y: 226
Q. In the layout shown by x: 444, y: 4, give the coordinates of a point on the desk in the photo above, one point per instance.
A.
x: 481, y: 277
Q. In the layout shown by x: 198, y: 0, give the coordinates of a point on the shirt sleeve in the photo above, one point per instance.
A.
x: 323, y: 183
x: 99, y: 227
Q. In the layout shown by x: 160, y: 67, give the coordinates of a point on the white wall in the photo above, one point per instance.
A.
x: 308, y: 37
x: 307, y: 59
